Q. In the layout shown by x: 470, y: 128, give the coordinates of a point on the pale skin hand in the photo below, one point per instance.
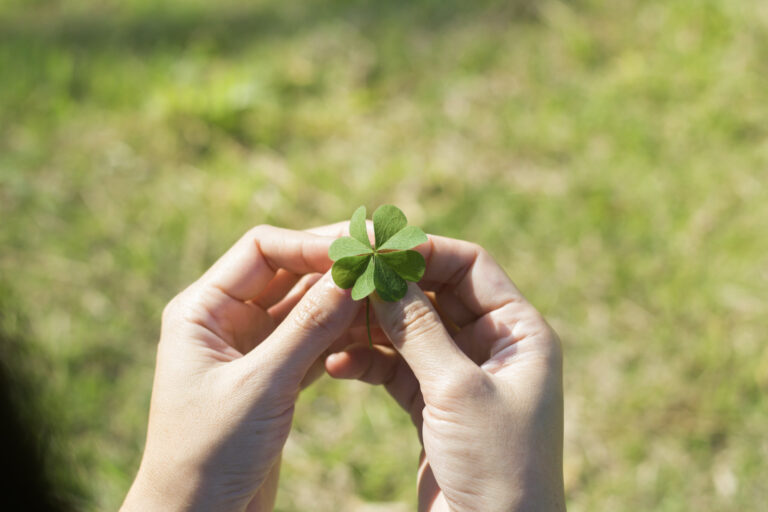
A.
x: 227, y: 379
x: 235, y: 349
x: 482, y: 381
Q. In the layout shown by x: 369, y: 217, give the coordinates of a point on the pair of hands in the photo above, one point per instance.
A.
x: 481, y: 378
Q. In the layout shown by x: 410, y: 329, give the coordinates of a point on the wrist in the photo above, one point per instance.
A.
x: 153, y: 490
x: 541, y: 490
x: 526, y: 489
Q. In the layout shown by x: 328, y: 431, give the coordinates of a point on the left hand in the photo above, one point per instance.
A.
x: 480, y: 376
x: 234, y: 350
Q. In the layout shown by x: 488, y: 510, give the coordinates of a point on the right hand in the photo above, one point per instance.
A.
x: 486, y: 398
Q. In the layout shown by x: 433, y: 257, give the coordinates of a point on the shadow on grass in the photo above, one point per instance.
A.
x: 37, y: 475
x: 228, y: 27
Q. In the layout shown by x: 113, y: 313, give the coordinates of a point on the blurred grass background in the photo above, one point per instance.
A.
x: 612, y: 155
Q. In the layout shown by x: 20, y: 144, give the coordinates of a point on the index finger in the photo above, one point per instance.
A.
x: 339, y: 229
x: 457, y: 266
x: 248, y: 266
x: 470, y: 272
x: 336, y: 229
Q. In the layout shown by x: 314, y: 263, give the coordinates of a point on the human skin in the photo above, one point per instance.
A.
x: 481, y: 380
x: 482, y: 383
x: 234, y: 350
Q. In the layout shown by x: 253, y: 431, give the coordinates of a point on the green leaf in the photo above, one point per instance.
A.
x: 365, y: 284
x: 347, y: 270
x: 390, y: 286
x: 360, y: 266
x: 357, y: 228
x: 407, y: 238
x: 387, y: 220
x: 345, y: 247
x: 409, y: 265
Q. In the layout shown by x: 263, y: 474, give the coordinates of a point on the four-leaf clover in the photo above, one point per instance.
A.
x: 384, y: 267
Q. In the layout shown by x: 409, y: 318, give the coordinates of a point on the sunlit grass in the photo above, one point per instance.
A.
x: 612, y: 155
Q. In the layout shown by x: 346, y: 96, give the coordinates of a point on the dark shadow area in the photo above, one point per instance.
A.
x: 35, y: 476
x: 227, y: 27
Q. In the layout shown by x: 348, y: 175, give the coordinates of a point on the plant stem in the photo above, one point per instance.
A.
x: 368, y: 320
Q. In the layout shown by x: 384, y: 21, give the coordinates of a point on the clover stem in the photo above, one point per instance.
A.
x: 368, y: 320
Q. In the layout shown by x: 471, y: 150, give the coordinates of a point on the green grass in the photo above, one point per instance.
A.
x: 613, y: 155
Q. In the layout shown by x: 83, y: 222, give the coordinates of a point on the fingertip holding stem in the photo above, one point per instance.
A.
x: 397, y: 318
x: 322, y: 316
x: 335, y: 364
x: 345, y: 365
x: 414, y: 327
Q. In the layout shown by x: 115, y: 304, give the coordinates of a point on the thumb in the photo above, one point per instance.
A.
x: 321, y: 316
x: 416, y: 331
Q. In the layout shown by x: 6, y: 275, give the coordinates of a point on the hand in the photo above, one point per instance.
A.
x: 483, y: 384
x: 234, y: 349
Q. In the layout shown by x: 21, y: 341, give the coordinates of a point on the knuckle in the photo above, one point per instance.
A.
x: 195, y: 305
x: 478, y: 249
x: 171, y: 310
x: 174, y: 316
x: 192, y: 307
x: 311, y: 316
x: 418, y: 318
x: 539, y: 327
x: 508, y: 314
x: 257, y: 232
x: 530, y: 320
x: 553, y: 345
x: 259, y: 229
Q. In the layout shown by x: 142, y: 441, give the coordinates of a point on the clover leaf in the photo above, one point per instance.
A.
x: 383, y: 267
